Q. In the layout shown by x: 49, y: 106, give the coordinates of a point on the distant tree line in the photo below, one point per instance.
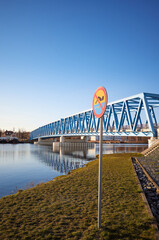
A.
x: 21, y: 134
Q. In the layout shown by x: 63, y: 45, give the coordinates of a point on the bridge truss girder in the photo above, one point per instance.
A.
x: 125, y: 117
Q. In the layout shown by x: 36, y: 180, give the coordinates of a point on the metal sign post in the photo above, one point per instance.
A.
x: 100, y: 171
x: 99, y: 107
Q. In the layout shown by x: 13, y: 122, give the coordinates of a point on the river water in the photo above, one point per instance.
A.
x: 25, y: 165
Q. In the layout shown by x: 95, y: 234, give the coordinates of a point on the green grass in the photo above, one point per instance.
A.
x: 66, y: 208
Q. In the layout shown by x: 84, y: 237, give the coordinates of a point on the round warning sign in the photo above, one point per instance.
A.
x: 99, y: 102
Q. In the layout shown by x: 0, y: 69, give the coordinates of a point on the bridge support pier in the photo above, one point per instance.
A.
x: 79, y: 140
x: 153, y: 140
x: 39, y: 139
x: 62, y: 139
x: 95, y: 138
x: 85, y: 138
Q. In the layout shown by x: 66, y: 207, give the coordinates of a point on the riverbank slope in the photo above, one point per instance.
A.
x: 66, y: 208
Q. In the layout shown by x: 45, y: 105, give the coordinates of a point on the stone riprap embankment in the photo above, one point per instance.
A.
x: 149, y: 190
x: 151, y: 164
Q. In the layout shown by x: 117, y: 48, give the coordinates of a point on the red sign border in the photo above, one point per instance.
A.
x: 105, y: 105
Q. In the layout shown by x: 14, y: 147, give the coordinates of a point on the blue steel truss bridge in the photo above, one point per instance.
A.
x: 137, y: 115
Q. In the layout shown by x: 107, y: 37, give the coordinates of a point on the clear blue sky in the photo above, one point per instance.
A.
x: 54, y: 54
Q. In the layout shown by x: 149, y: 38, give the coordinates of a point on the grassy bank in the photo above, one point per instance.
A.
x: 66, y: 208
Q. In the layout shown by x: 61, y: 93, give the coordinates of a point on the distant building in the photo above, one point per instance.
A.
x: 9, y: 134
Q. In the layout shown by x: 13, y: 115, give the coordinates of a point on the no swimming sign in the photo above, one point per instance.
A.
x: 99, y: 102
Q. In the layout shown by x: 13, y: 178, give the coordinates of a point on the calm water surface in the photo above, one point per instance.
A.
x: 25, y: 165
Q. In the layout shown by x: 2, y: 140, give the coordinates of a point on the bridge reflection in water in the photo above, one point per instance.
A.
x: 65, y: 159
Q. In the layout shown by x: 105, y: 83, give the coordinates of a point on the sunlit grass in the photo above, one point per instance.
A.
x: 66, y: 208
